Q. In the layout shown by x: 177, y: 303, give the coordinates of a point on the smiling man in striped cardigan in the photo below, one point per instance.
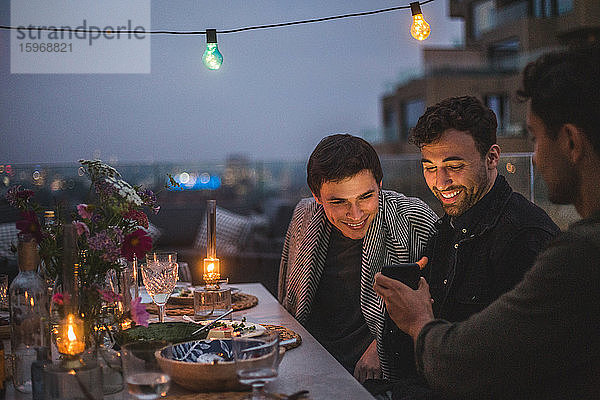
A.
x: 335, y: 244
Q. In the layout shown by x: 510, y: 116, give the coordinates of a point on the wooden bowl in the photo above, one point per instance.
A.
x: 203, y: 374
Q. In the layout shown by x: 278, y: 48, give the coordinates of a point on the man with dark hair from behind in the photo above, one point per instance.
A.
x: 489, y: 236
x: 540, y: 340
x: 336, y: 242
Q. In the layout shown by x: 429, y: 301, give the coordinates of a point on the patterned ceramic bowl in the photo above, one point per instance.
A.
x: 202, y: 365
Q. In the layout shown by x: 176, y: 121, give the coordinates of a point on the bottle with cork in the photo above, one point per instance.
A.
x: 29, y: 312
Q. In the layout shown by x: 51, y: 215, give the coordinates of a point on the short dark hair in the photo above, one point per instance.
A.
x: 338, y: 157
x: 466, y: 114
x: 564, y: 87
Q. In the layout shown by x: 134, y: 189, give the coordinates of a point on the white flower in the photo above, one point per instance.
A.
x: 127, y: 192
x: 97, y: 168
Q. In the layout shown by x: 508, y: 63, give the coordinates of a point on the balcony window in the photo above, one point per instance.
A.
x: 498, y: 103
x: 564, y: 6
x: 486, y: 16
x: 412, y: 110
x: 551, y: 8
x: 542, y: 8
x: 390, y: 125
x: 505, y: 54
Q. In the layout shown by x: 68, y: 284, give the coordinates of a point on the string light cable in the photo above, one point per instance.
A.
x: 236, y: 30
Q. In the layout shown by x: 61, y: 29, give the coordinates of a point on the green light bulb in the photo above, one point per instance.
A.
x: 212, y: 57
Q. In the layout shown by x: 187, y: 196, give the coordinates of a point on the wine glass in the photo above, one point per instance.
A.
x: 256, y: 362
x: 160, y: 276
x: 144, y: 377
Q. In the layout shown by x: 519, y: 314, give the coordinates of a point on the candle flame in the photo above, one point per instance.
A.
x: 69, y: 339
x: 210, y: 267
x: 70, y: 334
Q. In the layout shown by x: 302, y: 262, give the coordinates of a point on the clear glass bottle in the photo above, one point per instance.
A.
x: 44, y: 269
x: 29, y: 311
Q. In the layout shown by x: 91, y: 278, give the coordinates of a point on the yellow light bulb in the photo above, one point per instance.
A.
x: 419, y: 29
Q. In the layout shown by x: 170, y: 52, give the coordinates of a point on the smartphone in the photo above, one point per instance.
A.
x: 409, y: 273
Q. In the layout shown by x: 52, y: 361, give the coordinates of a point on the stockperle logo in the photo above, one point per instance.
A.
x: 83, y: 36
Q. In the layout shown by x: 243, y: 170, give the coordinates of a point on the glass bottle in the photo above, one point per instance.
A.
x: 44, y: 269
x: 28, y: 314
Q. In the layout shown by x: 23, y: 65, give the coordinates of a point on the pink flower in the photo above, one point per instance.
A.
x: 107, y: 243
x: 81, y: 228
x: 84, y: 211
x: 17, y: 195
x: 30, y: 224
x: 137, y: 216
x: 109, y: 296
x: 58, y: 298
x: 139, y: 315
x: 137, y: 243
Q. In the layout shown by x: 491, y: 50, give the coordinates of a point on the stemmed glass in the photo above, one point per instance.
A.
x: 160, y: 276
x: 145, y: 379
x: 256, y: 362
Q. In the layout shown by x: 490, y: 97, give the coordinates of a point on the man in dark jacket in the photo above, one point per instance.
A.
x: 489, y: 236
x: 540, y: 340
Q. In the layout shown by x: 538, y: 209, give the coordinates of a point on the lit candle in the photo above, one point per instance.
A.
x: 212, y: 269
x: 69, y: 340
x: 134, y: 265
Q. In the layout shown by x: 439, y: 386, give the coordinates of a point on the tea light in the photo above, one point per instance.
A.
x: 70, y: 338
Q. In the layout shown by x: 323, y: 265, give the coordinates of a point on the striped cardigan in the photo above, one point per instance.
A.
x: 398, y: 234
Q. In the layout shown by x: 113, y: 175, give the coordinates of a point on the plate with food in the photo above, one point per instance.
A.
x: 182, y: 295
x: 226, y: 329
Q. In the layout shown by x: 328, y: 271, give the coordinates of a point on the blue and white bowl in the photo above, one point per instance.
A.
x: 202, y: 351
x: 201, y: 365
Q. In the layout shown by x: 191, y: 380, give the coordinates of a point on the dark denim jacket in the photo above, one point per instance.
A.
x: 475, y: 259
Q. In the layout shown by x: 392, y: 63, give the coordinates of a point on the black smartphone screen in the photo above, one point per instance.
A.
x: 409, y: 274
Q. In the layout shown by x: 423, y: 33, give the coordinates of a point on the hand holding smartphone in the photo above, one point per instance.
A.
x: 409, y: 273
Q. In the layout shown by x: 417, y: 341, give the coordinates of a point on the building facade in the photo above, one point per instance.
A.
x: 500, y: 37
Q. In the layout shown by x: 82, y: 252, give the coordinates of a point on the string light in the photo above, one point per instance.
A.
x: 419, y: 29
x: 212, y: 57
x: 248, y: 28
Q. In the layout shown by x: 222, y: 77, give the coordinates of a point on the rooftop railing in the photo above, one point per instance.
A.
x: 247, y: 187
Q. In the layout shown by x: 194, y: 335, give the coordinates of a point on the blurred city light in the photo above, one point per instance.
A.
x: 193, y: 181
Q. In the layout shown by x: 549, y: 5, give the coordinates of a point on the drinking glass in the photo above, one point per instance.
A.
x: 210, y: 304
x: 256, y: 362
x: 160, y: 276
x: 144, y: 377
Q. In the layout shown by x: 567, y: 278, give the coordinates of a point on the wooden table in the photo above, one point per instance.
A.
x: 308, y: 366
